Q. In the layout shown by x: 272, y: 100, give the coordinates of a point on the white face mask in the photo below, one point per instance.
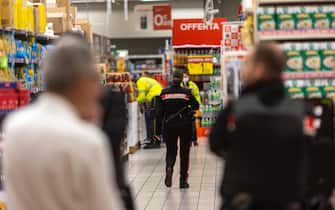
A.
x: 186, y: 79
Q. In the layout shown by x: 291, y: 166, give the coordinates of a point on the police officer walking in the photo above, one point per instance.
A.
x: 187, y: 83
x: 175, y: 112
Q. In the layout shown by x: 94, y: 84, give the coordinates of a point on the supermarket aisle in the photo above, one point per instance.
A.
x: 146, y: 174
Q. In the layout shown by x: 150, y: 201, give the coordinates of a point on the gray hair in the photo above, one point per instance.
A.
x: 70, y: 58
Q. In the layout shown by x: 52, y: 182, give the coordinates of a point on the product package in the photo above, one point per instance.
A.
x: 286, y: 17
x: 304, y: 17
x: 321, y: 18
x: 327, y: 52
x: 266, y: 18
x: 293, y: 52
x: 311, y: 57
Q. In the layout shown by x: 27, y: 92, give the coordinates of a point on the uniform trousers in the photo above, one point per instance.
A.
x: 171, y: 134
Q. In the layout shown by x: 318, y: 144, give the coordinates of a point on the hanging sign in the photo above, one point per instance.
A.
x: 162, y: 17
x: 200, y: 65
x: 195, y: 33
x: 152, y: 17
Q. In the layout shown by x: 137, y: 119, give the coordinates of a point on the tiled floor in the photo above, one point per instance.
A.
x: 146, y: 174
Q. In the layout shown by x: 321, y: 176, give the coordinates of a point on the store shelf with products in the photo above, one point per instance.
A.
x: 22, y: 52
x: 306, y: 31
x: 148, y: 63
x: 272, y: 2
x: 296, y: 35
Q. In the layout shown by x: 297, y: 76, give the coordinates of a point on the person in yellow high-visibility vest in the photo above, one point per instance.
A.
x: 187, y: 83
x: 148, y: 88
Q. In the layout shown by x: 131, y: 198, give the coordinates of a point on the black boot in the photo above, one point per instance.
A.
x: 183, y: 184
x: 168, y: 177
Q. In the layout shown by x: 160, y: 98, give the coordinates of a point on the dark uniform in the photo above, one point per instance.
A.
x: 175, y: 112
x: 263, y: 137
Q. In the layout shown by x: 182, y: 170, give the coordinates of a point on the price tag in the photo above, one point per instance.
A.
x: 200, y: 65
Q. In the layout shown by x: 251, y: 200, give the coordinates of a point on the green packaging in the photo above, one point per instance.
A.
x: 329, y: 92
x: 286, y: 17
x: 266, y: 18
x: 304, y: 17
x: 296, y: 92
x: 321, y: 19
x: 327, y: 52
x: 314, y: 92
x: 311, y: 57
x: 294, y: 62
x: 330, y: 10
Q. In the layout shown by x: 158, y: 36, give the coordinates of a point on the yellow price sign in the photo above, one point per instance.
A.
x: 200, y: 65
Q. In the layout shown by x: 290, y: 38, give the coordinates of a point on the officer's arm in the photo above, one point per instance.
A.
x: 218, y: 138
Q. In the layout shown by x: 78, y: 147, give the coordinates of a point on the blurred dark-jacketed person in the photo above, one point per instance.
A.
x: 263, y: 138
x: 114, y: 124
x: 55, y: 158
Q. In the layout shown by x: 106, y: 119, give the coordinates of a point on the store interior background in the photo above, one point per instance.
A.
x: 123, y: 34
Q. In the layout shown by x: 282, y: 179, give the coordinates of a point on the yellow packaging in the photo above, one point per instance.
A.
x: 39, y: 18
x: 6, y: 13
x: 30, y: 26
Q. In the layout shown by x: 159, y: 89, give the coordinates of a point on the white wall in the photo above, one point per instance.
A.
x: 115, y: 26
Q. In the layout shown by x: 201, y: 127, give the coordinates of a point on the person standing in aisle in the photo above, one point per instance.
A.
x: 195, y: 92
x: 263, y: 138
x: 148, y: 89
x: 114, y: 124
x: 175, y: 112
x: 55, y: 157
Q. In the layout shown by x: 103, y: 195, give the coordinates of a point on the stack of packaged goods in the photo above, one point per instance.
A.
x: 295, y: 19
x: 299, y: 28
x: 20, y: 59
x: 122, y: 82
x: 23, y: 15
x: 12, y: 97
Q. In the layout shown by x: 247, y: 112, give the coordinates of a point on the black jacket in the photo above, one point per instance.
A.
x: 176, y: 106
x: 262, y: 139
x: 115, y: 119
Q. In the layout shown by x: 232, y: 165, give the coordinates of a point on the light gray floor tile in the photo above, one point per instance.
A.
x: 146, y: 172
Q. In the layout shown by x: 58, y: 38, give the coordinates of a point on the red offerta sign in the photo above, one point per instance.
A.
x: 162, y: 17
x: 193, y: 32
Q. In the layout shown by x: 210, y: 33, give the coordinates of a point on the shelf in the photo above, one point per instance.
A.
x: 309, y: 75
x: 234, y: 53
x: 271, y: 2
x: 297, y: 35
x: 132, y: 57
x: 148, y: 70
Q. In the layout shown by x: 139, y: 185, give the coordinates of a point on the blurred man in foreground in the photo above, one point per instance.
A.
x: 263, y: 138
x: 54, y: 157
x: 148, y: 89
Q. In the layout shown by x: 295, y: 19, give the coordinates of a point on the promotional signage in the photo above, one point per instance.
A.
x: 153, y: 17
x: 162, y: 17
x: 200, y: 65
x: 194, y: 32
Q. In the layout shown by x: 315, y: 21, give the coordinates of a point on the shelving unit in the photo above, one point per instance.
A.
x: 295, y: 35
x: 301, y: 46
